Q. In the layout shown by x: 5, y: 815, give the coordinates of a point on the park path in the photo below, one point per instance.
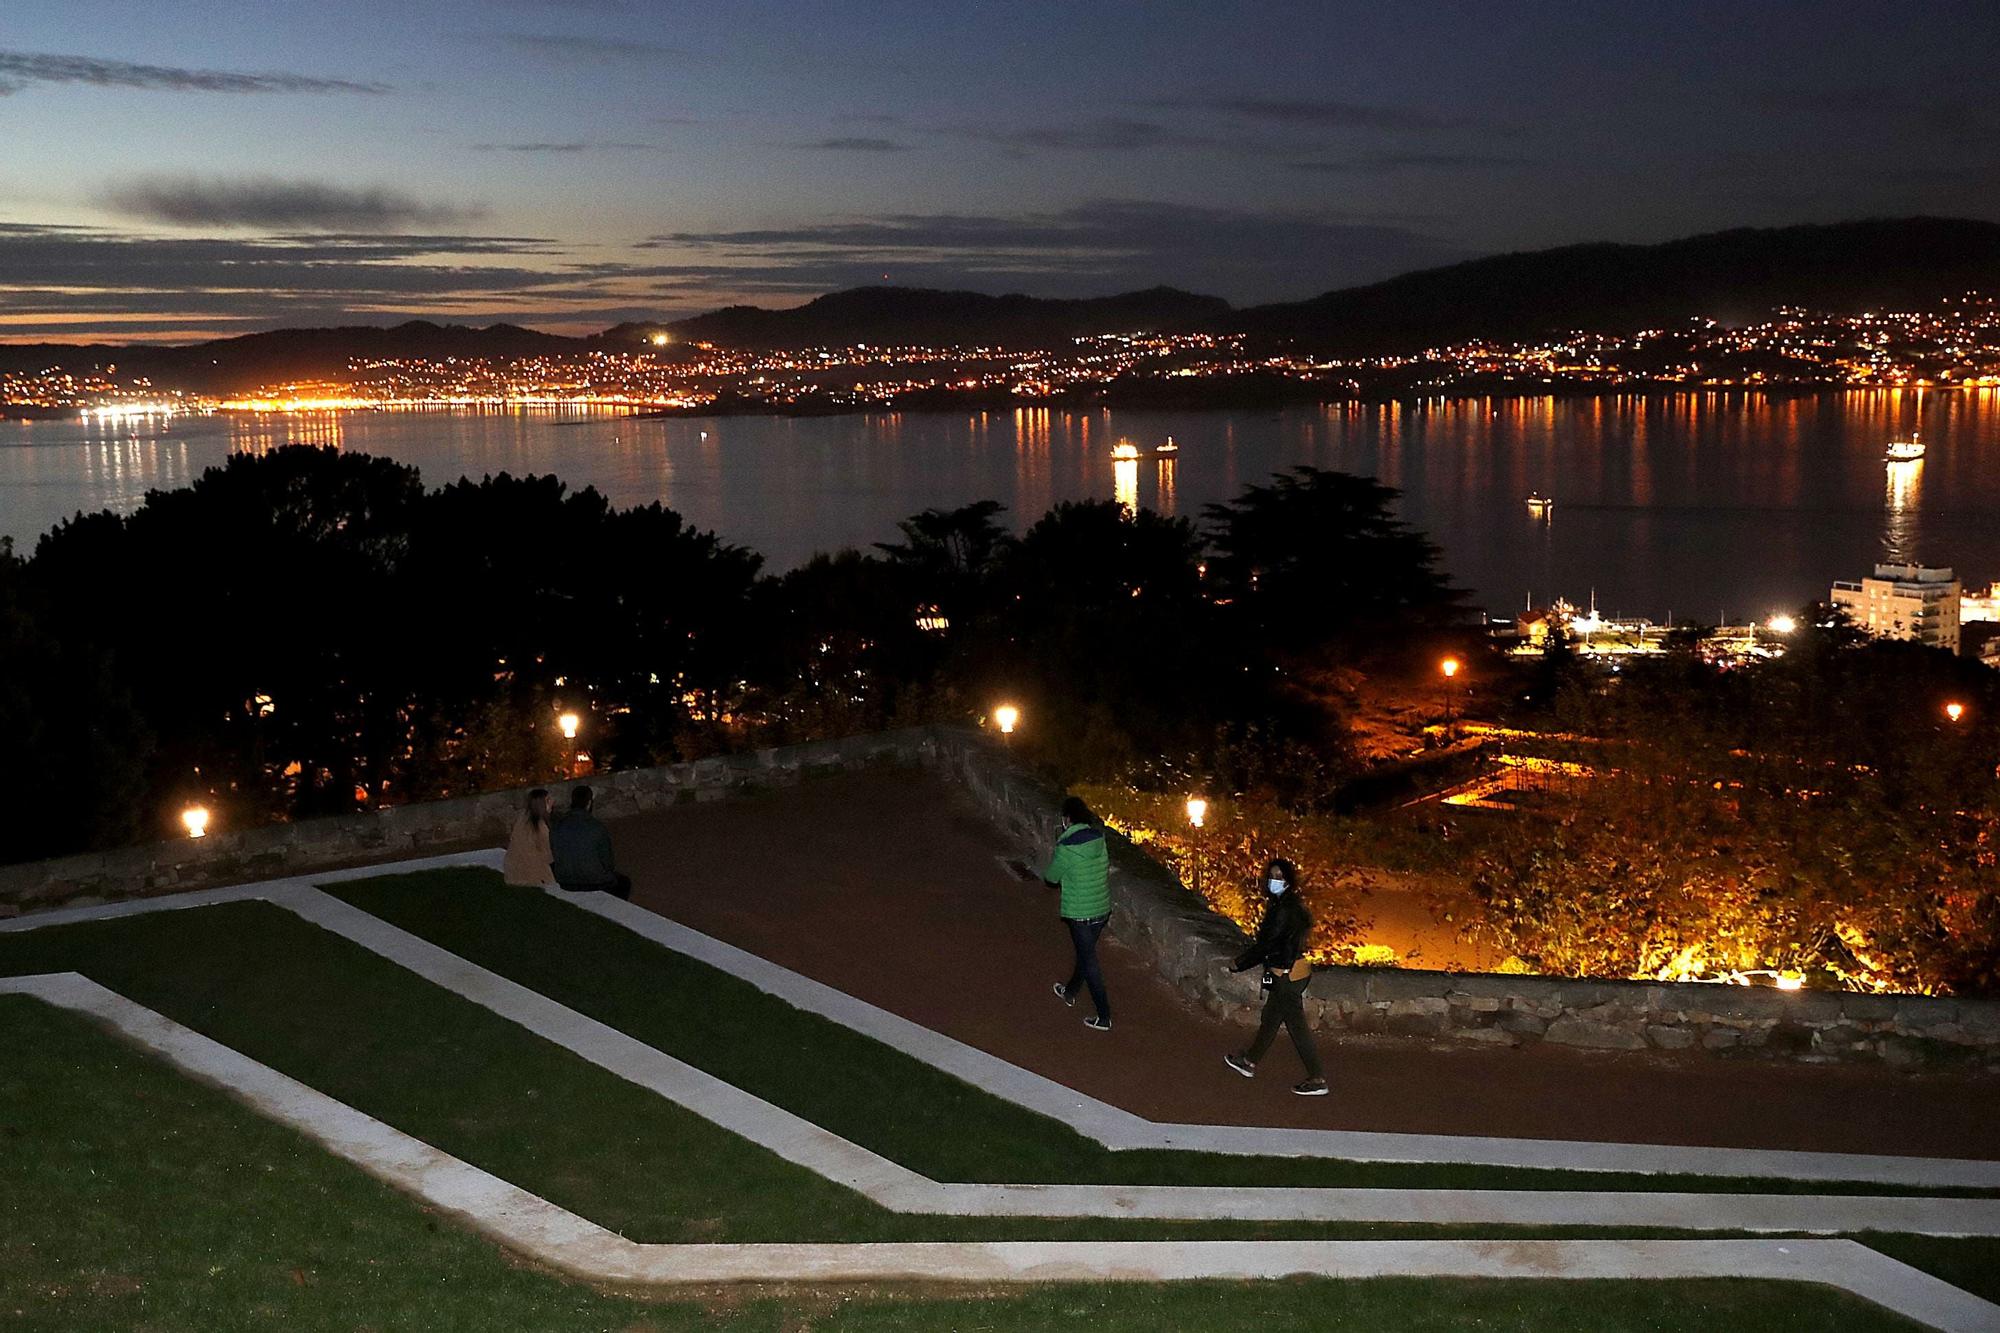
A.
x: 889, y: 885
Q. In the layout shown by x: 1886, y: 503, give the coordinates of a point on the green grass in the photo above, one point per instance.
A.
x: 368, y: 1033
x: 859, y: 1088
x: 132, y: 1198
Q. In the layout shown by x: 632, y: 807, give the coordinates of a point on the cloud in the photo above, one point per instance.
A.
x: 1368, y: 164
x: 1089, y: 249
x: 18, y: 69
x: 1104, y: 134
x: 573, y: 146
x: 1313, y: 113
x: 187, y: 201
x: 855, y: 144
x: 571, y: 47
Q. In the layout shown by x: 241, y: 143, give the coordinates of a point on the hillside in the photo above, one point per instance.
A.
x: 1729, y: 275
x: 904, y: 315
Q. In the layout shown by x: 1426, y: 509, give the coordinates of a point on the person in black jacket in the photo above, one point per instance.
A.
x: 1281, y: 946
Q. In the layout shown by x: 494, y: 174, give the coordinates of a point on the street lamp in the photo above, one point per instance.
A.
x: 1450, y: 669
x: 1782, y: 624
x: 195, y: 820
x: 1197, y: 811
x: 569, y: 722
x: 1005, y: 717
x: 1954, y: 710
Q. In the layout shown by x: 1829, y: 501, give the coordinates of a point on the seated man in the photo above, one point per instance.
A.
x: 582, y: 850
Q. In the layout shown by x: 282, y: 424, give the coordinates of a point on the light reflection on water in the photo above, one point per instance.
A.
x: 1696, y: 502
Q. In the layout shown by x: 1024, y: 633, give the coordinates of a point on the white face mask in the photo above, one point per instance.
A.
x: 1276, y: 886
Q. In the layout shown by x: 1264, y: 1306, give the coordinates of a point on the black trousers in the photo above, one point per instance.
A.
x: 1083, y: 938
x: 619, y: 888
x: 1284, y: 1004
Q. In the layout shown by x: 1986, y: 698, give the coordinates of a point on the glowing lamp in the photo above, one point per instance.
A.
x: 1197, y: 810
x: 1782, y: 624
x: 568, y: 722
x: 1786, y: 982
x: 1005, y: 716
x: 1954, y: 711
x: 1449, y: 666
x: 195, y: 820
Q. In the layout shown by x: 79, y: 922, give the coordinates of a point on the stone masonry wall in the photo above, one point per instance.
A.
x: 1189, y: 942
x: 279, y: 850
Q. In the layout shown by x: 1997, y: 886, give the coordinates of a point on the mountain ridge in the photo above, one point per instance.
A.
x: 1609, y: 287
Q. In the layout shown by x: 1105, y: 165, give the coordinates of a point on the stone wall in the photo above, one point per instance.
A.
x: 279, y: 850
x: 1189, y: 942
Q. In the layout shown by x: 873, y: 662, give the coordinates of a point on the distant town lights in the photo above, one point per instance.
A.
x: 195, y: 820
x: 1005, y: 717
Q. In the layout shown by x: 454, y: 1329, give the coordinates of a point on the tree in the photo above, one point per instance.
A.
x: 77, y: 752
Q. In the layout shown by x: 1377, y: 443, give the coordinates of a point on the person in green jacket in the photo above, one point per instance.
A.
x: 1081, y: 869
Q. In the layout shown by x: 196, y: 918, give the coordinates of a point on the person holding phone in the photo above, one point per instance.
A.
x: 1280, y: 947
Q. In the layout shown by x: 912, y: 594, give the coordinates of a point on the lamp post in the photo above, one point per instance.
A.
x: 1006, y: 717
x: 1197, y: 812
x: 1449, y: 668
x: 1953, y: 711
x: 195, y: 820
x: 569, y: 722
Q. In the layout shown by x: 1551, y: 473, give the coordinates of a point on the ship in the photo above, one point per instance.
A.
x: 1169, y: 449
x: 1125, y: 450
x: 1905, y: 451
x: 1540, y: 505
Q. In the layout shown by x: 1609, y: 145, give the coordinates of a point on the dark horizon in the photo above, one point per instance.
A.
x: 571, y: 167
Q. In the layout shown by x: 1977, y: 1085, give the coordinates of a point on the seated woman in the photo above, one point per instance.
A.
x: 529, y: 861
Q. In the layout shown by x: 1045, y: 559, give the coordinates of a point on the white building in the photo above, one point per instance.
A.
x: 1904, y: 602
x: 1979, y: 606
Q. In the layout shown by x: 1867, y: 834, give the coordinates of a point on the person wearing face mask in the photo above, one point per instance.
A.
x: 1280, y: 947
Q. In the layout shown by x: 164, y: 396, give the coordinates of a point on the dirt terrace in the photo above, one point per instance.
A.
x: 889, y: 886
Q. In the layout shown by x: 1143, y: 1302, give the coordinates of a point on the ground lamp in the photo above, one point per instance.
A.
x: 195, y: 820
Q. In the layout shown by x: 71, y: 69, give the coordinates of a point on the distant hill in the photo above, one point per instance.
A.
x: 1846, y: 267
x: 1729, y: 275
x: 230, y: 365
x: 903, y: 315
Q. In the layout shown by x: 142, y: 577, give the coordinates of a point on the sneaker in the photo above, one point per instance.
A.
x: 1097, y: 1024
x: 1064, y: 995
x: 1312, y: 1087
x: 1240, y: 1065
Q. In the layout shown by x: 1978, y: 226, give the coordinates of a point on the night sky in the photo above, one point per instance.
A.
x: 205, y: 167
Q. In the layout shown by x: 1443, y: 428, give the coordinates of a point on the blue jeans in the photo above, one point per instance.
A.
x: 1083, y: 937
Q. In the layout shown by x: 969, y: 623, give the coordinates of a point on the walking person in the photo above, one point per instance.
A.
x: 529, y: 861
x: 1081, y: 869
x: 1280, y: 947
x: 582, y: 848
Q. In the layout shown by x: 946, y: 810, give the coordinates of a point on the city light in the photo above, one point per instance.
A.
x: 195, y: 820
x: 1005, y: 717
x: 1782, y: 624
x: 569, y: 723
x: 1954, y: 710
x: 1197, y: 810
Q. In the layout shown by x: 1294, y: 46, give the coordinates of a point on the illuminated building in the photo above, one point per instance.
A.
x: 1904, y: 602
